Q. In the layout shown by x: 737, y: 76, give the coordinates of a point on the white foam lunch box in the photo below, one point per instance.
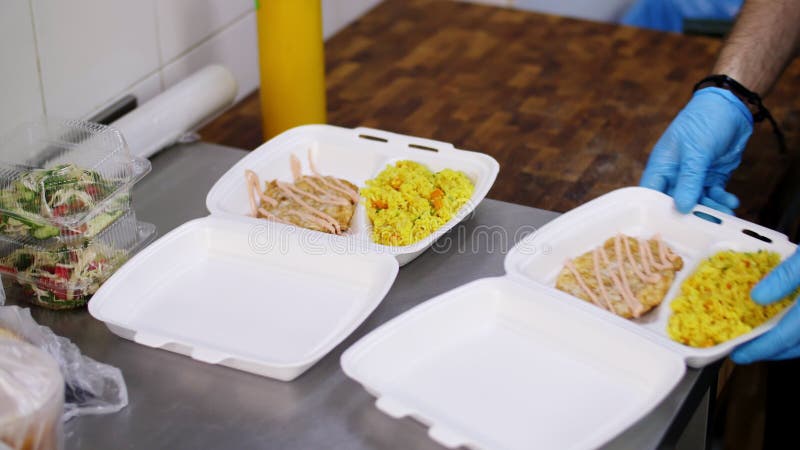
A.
x: 512, y: 363
x: 356, y: 155
x: 249, y: 296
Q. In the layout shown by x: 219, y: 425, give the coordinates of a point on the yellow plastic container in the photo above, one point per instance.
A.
x: 292, y: 63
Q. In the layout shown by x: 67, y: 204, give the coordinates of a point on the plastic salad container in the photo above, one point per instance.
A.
x: 31, y: 397
x: 65, y: 275
x: 64, y: 178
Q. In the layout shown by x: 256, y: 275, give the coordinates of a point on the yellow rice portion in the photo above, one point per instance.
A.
x: 714, y: 303
x: 406, y: 202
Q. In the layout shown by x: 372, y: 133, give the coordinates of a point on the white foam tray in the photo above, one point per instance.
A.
x: 643, y: 212
x: 496, y: 364
x: 513, y: 363
x: 356, y: 155
x: 244, y: 295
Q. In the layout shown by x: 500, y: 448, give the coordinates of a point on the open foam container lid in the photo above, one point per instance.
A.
x: 511, y: 362
x: 355, y: 155
x: 244, y: 293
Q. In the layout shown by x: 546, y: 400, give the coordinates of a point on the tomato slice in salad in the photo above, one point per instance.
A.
x: 93, y: 190
x: 62, y: 272
x: 94, y: 265
x: 56, y: 287
x: 60, y: 210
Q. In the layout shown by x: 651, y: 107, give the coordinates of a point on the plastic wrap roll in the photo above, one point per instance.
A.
x: 31, y: 397
x: 166, y: 117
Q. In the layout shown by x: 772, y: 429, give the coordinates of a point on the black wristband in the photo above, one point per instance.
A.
x: 748, y: 97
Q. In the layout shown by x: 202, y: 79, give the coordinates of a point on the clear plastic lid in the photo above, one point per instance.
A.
x: 57, y: 175
x: 65, y: 275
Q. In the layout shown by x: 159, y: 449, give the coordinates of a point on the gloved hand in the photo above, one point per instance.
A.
x: 782, y: 341
x: 702, y: 146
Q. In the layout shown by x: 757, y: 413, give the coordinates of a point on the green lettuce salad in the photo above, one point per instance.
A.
x: 36, y: 203
x: 66, y: 277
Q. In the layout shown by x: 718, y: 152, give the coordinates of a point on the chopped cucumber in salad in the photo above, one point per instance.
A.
x: 32, y: 204
x: 66, y: 277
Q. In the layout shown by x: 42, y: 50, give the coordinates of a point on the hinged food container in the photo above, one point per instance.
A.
x: 513, y: 363
x: 57, y: 177
x: 257, y: 297
x: 355, y: 155
x: 66, y: 275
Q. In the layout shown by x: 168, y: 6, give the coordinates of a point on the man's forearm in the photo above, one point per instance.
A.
x: 764, y: 40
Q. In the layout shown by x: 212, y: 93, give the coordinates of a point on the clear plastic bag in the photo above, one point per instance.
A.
x: 90, y: 387
x: 31, y: 397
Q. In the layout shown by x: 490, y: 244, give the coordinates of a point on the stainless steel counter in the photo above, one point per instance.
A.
x: 178, y: 403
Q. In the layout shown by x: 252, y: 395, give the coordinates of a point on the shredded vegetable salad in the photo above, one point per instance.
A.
x: 33, y: 203
x: 66, y: 277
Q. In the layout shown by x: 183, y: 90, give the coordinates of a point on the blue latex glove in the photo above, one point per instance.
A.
x: 668, y: 15
x: 782, y: 341
x: 694, y: 158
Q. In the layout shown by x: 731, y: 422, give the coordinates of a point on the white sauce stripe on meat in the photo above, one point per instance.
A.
x: 637, y: 307
x: 617, y: 274
x: 327, y: 201
x: 627, y: 297
x: 332, y: 184
x: 284, y: 187
x: 652, y: 278
x: 582, y: 284
x: 338, y: 193
x: 600, y: 284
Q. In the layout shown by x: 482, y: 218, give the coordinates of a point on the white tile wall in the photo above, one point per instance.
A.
x: 337, y: 14
x: 236, y: 48
x: 20, y: 96
x: 144, y: 89
x: 601, y: 10
x: 182, y: 24
x: 91, y: 50
x: 72, y: 58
